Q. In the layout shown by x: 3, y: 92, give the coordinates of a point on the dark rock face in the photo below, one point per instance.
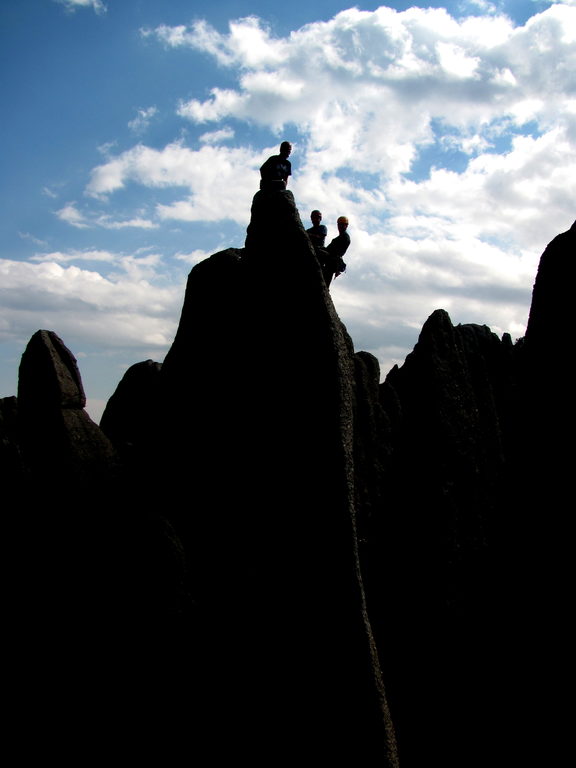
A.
x: 548, y: 373
x: 101, y: 608
x: 457, y: 558
x: 126, y: 419
x: 544, y: 462
x: 262, y: 370
x: 552, y: 296
x: 57, y: 434
x: 430, y: 551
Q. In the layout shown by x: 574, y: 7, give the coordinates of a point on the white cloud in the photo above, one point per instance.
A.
x: 364, y: 89
x: 194, y: 257
x: 49, y: 192
x: 126, y: 309
x: 72, y: 256
x: 454, y: 61
x: 142, y: 120
x: 138, y: 222
x: 220, y: 182
x: 31, y: 238
x: 71, y: 215
x: 524, y: 196
x: 394, y: 282
x: 482, y: 5
x: 73, y: 5
x: 248, y: 44
x: 215, y: 137
x: 366, y: 95
x: 385, y: 75
x: 139, y: 266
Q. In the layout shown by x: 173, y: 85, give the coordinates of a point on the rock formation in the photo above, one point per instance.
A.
x: 57, y: 434
x: 429, y: 552
x: 126, y: 419
x: 263, y: 445
x: 264, y: 553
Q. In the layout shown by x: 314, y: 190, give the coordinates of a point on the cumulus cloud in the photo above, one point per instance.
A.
x: 380, y: 102
x: 248, y: 42
x: 209, y: 175
x: 126, y: 309
x: 365, y: 86
x: 366, y: 90
x: 511, y: 197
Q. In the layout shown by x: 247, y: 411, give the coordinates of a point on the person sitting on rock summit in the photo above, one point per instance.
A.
x: 275, y: 171
x: 317, y: 232
x: 333, y: 264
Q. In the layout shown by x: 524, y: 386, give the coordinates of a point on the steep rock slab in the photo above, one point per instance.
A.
x: 548, y: 398
x: 431, y: 554
x: 257, y: 453
x: 543, y: 535
x: 552, y: 297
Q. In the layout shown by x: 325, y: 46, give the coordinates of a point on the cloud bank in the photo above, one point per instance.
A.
x: 127, y: 309
x: 448, y: 142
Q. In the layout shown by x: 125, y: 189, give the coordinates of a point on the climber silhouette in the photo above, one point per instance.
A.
x: 317, y: 232
x: 332, y: 263
x: 275, y: 171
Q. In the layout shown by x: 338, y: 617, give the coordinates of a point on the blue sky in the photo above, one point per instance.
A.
x: 132, y: 132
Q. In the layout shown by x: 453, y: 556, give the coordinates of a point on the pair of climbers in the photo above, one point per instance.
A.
x: 274, y: 175
x: 330, y: 257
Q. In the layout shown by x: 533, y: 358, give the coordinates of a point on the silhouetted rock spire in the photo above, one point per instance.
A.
x: 262, y: 371
x: 56, y: 432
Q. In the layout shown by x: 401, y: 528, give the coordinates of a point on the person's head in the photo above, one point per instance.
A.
x: 285, y: 148
x: 316, y: 217
x: 342, y: 223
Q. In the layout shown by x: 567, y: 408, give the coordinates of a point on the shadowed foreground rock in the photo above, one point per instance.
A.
x: 95, y: 574
x: 465, y: 559
x: 281, y: 559
x: 430, y: 552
